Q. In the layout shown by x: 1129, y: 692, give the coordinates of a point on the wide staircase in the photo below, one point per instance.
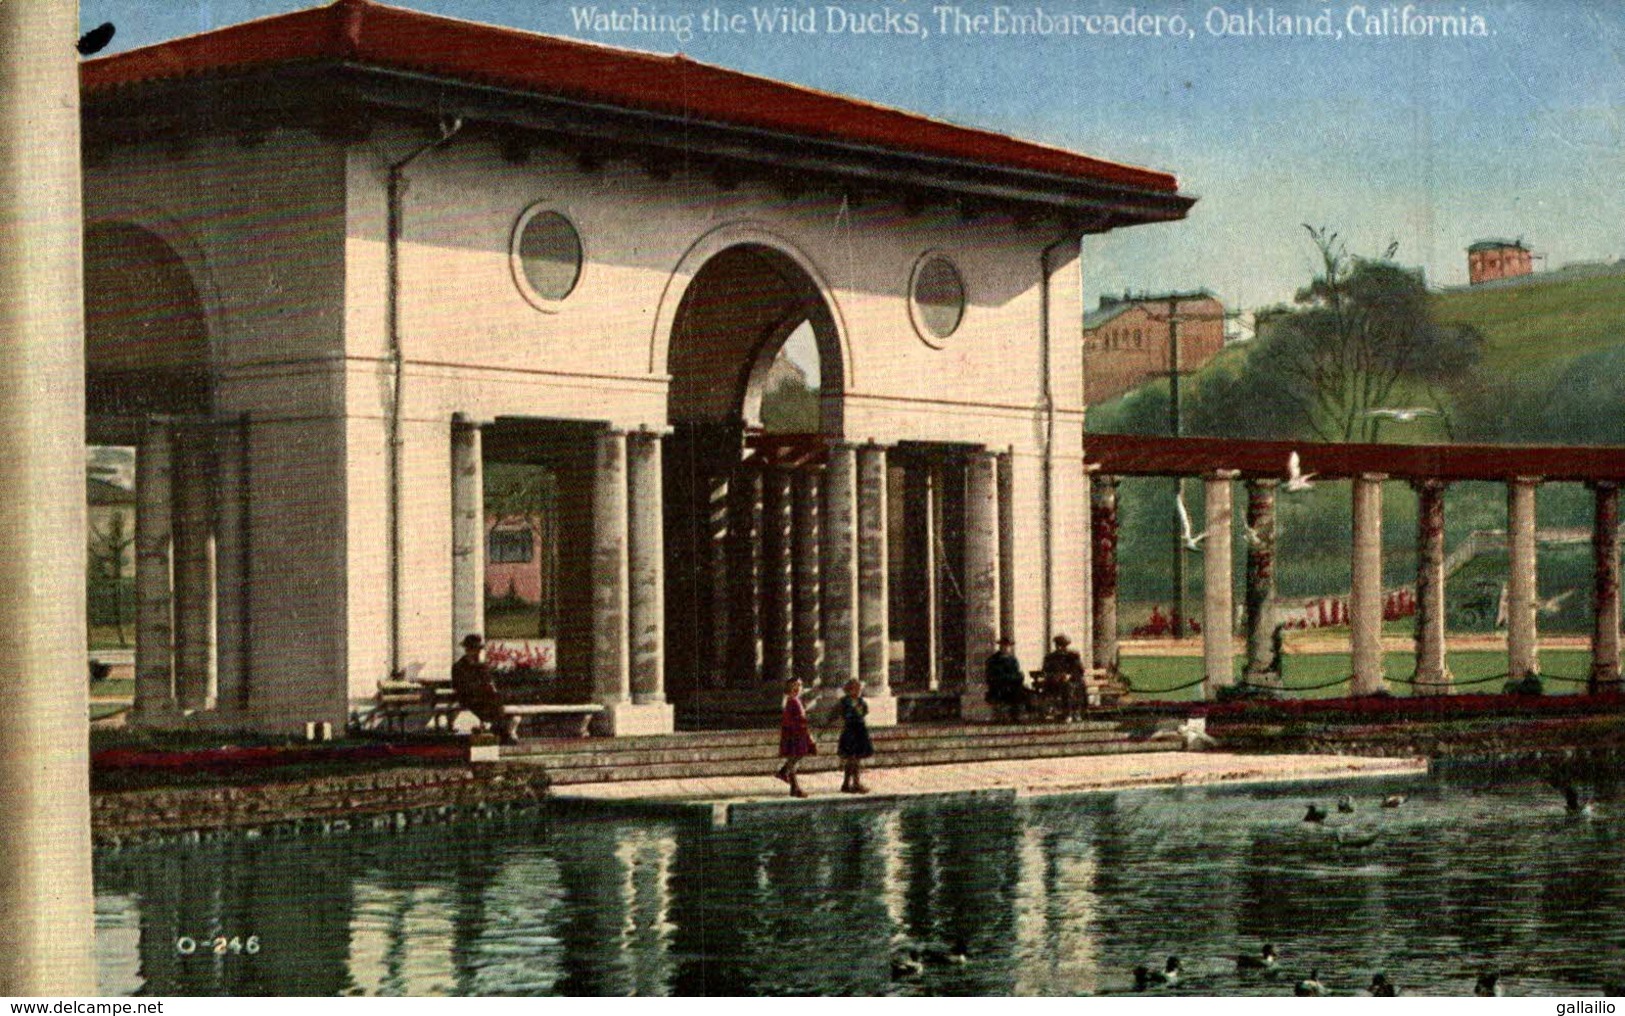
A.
x: 755, y: 752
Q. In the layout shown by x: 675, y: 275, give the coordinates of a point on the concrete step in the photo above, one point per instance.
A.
x: 727, y: 738
x: 610, y: 752
x: 765, y: 762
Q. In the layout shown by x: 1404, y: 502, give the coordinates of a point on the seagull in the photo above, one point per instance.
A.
x: 1395, y: 800
x: 1310, y: 987
x: 1253, y: 539
x: 1381, y: 988
x: 1489, y: 985
x: 1406, y: 415
x: 1296, y: 478
x: 1192, y: 542
x: 1345, y: 804
x: 95, y: 40
x: 1555, y: 604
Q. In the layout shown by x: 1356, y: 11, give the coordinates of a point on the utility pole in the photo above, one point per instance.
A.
x: 1175, y: 428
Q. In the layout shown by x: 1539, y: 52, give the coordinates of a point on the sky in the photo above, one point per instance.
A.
x: 1432, y: 141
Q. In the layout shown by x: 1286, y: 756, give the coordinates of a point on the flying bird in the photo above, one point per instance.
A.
x: 95, y: 40
x: 1191, y: 541
x: 1406, y: 415
x: 1296, y: 478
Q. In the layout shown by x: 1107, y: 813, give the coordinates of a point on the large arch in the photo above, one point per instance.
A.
x: 147, y: 347
x: 743, y: 294
x: 732, y: 299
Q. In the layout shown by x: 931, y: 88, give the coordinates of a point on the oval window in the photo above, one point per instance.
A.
x: 937, y: 298
x: 547, y: 256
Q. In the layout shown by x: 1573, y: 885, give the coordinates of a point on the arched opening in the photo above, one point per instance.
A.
x: 153, y: 468
x: 756, y: 382
x: 748, y: 308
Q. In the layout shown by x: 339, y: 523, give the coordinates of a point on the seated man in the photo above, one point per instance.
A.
x: 1064, y: 678
x: 476, y: 692
x: 1006, y: 690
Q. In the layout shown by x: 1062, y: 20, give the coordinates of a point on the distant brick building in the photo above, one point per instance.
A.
x: 1125, y: 340
x: 1488, y: 260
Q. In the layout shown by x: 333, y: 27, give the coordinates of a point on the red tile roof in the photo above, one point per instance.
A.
x: 374, y: 35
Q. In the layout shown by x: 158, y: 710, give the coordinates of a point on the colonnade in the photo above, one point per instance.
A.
x: 791, y: 565
x: 192, y: 538
x: 1432, y: 674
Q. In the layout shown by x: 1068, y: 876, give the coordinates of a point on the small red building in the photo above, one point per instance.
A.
x: 1126, y: 339
x: 1488, y: 260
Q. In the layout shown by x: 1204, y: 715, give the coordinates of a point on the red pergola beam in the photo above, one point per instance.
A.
x: 1135, y: 455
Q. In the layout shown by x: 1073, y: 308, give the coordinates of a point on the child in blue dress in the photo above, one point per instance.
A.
x: 855, y: 745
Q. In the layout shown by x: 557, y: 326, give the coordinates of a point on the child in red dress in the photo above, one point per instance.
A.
x: 794, y: 741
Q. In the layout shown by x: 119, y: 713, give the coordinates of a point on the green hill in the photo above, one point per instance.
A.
x: 1550, y: 318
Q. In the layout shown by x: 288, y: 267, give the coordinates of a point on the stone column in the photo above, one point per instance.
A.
x: 1432, y: 670
x: 467, y: 530
x: 1007, y: 552
x: 1523, y: 653
x: 1605, y: 590
x: 47, y: 929
x: 195, y: 680
x: 919, y: 521
x: 154, y: 578
x: 649, y: 712
x: 1365, y: 598
x: 745, y: 575
x: 805, y: 526
x: 720, y: 602
x: 1262, y: 666
x: 1103, y: 512
x: 874, y: 595
x: 1218, y: 613
x: 778, y: 574
x: 611, y: 674
x: 233, y: 575
x: 981, y: 579
x: 839, y: 563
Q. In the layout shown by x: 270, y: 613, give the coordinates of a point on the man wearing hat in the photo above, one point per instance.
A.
x: 1063, y: 678
x: 476, y: 692
x: 1006, y: 689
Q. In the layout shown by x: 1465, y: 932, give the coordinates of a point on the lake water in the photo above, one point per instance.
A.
x: 1058, y: 897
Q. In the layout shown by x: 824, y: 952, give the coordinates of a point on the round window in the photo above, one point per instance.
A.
x: 937, y: 298
x: 546, y: 256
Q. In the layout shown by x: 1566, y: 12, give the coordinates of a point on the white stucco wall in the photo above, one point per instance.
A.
x: 287, y: 243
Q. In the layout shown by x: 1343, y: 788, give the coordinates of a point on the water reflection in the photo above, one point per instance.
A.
x: 1050, y: 898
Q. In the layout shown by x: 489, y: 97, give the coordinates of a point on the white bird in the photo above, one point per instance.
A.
x: 1296, y: 478
x: 1253, y: 539
x: 1555, y: 604
x: 1192, y: 541
x: 1406, y: 415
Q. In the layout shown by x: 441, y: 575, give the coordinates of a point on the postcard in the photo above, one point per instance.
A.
x: 820, y: 497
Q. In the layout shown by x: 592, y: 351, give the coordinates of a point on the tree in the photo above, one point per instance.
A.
x: 108, y: 547
x: 1363, y: 336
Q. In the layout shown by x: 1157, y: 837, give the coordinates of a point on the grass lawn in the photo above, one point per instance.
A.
x: 1151, y: 676
x: 106, y: 636
x: 113, y: 689
x: 101, y: 710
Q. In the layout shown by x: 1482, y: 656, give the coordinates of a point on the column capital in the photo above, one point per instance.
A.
x: 1263, y: 482
x: 1429, y: 483
x: 1602, y: 485
x: 1372, y: 477
x: 1090, y: 468
x: 1526, y: 481
x: 461, y: 419
x: 646, y: 431
x: 1222, y: 474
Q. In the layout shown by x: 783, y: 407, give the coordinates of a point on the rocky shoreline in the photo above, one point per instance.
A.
x: 392, y: 798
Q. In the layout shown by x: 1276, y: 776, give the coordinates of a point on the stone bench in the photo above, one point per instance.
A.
x: 573, y: 720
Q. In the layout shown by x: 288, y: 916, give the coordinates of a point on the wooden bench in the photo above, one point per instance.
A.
x: 573, y: 720
x: 406, y: 697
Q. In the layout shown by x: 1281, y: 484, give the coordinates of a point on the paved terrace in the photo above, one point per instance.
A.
x: 719, y: 797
